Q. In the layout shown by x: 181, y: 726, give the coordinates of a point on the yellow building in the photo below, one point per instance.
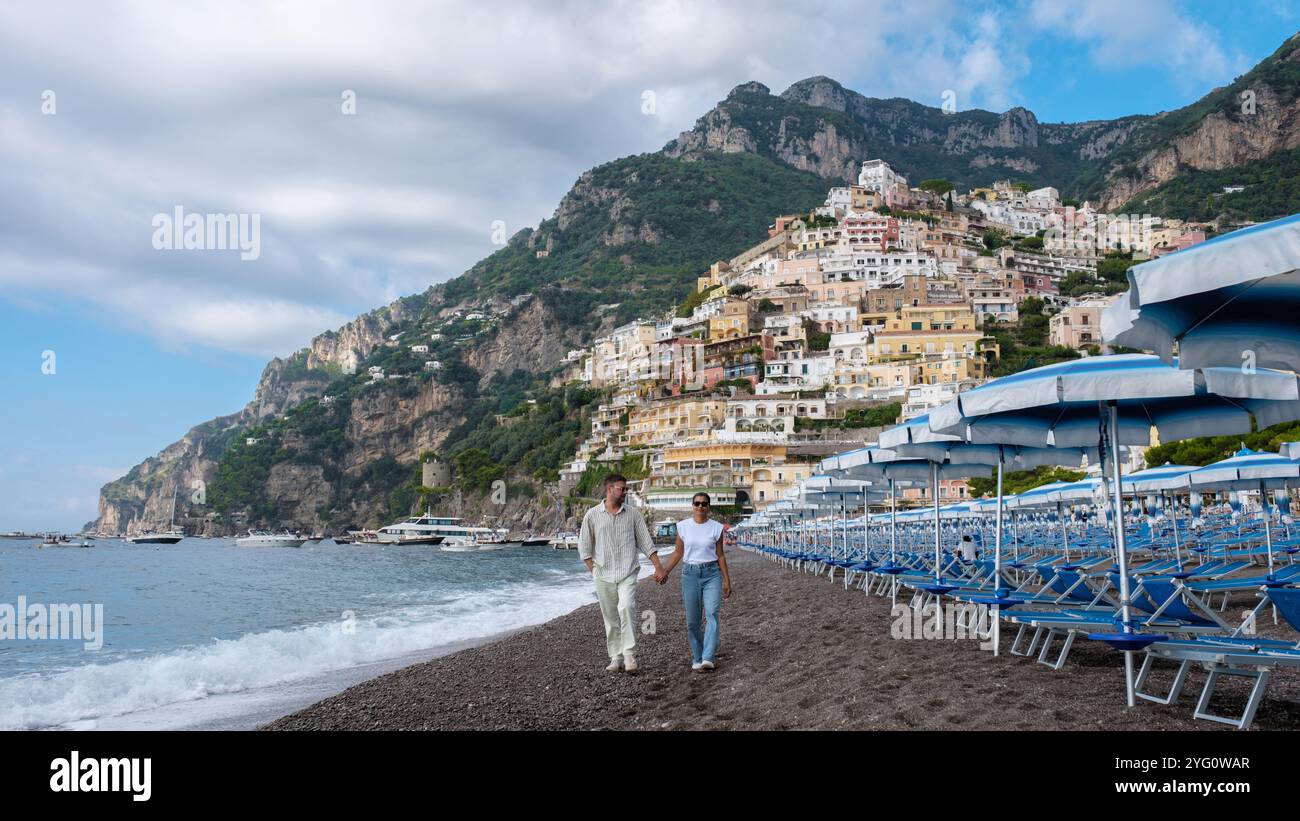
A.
x: 740, y: 471
x: 918, y: 330
x: 733, y: 322
x: 625, y: 355
x: 674, y: 420
x: 714, y: 277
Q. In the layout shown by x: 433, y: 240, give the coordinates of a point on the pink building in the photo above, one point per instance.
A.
x: 1185, y: 241
x: 1078, y: 326
x: 871, y: 230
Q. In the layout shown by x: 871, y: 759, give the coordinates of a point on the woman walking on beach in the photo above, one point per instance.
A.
x: 705, y: 579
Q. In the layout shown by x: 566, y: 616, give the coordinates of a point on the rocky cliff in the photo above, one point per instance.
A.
x: 819, y: 126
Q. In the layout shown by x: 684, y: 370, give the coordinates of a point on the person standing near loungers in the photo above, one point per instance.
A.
x: 705, y: 579
x: 611, y: 537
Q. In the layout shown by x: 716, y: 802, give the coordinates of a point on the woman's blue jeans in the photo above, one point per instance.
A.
x: 702, y: 594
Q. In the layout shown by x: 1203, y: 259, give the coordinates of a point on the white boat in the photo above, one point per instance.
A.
x: 265, y: 538
x: 565, y: 541
x: 445, y: 531
x: 495, y: 539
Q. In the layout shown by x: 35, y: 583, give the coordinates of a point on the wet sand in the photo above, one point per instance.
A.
x: 797, y: 652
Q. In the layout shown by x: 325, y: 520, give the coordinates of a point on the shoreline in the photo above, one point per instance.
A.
x: 797, y: 652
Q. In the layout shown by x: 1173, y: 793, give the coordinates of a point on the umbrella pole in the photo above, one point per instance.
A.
x: 1065, y: 532
x: 1268, y: 531
x: 1173, y: 518
x: 998, y: 590
x: 893, y: 544
x: 1121, y: 549
x: 934, y: 491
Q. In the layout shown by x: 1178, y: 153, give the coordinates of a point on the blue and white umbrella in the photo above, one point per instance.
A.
x: 880, y: 464
x: 1056, y: 405
x: 1111, y: 401
x: 1231, y: 301
x: 1250, y: 470
x: 1166, y: 477
x: 916, y: 438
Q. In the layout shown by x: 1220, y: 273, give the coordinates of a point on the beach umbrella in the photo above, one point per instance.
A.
x: 1249, y: 470
x: 879, y: 464
x: 1110, y: 401
x: 917, y: 438
x: 1231, y: 301
x: 1163, y: 478
x: 824, y: 491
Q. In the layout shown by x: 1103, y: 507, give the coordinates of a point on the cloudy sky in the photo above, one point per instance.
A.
x: 466, y: 113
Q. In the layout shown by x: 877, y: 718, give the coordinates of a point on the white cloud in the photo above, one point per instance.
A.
x: 1122, y: 34
x: 467, y: 113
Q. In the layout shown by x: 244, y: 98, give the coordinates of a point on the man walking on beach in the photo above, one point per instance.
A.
x: 611, y: 536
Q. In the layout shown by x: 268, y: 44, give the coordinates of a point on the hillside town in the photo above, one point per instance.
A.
x: 877, y: 306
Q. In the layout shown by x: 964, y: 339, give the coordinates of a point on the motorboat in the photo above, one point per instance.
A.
x: 447, y: 532
x: 494, y: 538
x: 171, y: 536
x: 265, y: 538
x: 155, y: 537
x: 62, y: 541
x: 564, y: 541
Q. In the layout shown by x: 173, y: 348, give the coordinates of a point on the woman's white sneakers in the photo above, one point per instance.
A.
x: 706, y: 665
x: 614, y: 664
x: 629, y: 664
x: 697, y: 666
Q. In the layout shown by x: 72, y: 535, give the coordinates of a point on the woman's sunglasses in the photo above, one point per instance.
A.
x: 700, y: 504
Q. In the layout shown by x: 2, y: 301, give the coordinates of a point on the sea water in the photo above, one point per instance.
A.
x: 206, y: 634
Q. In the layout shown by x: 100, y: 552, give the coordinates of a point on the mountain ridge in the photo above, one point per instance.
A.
x: 626, y: 241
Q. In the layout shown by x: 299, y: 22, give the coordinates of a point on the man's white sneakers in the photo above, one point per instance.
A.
x: 613, y: 664
x: 697, y: 666
x: 706, y: 665
x: 629, y: 664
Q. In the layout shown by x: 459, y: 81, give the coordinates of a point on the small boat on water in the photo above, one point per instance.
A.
x: 564, y: 541
x: 62, y: 541
x: 494, y: 539
x: 154, y: 537
x: 171, y: 536
x: 265, y: 538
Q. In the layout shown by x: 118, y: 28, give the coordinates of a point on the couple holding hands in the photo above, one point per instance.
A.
x: 613, y: 536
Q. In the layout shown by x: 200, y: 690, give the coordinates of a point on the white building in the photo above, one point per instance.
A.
x: 1043, y: 198
x: 808, y: 373
x: 876, y: 175
x: 923, y: 398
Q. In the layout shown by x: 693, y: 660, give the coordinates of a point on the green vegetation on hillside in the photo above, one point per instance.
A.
x: 1023, y: 344
x: 682, y: 215
x: 1207, y: 449
x: 1019, y: 481
x: 1271, y: 190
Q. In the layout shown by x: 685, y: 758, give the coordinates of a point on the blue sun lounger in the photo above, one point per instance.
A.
x: 1242, y: 656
